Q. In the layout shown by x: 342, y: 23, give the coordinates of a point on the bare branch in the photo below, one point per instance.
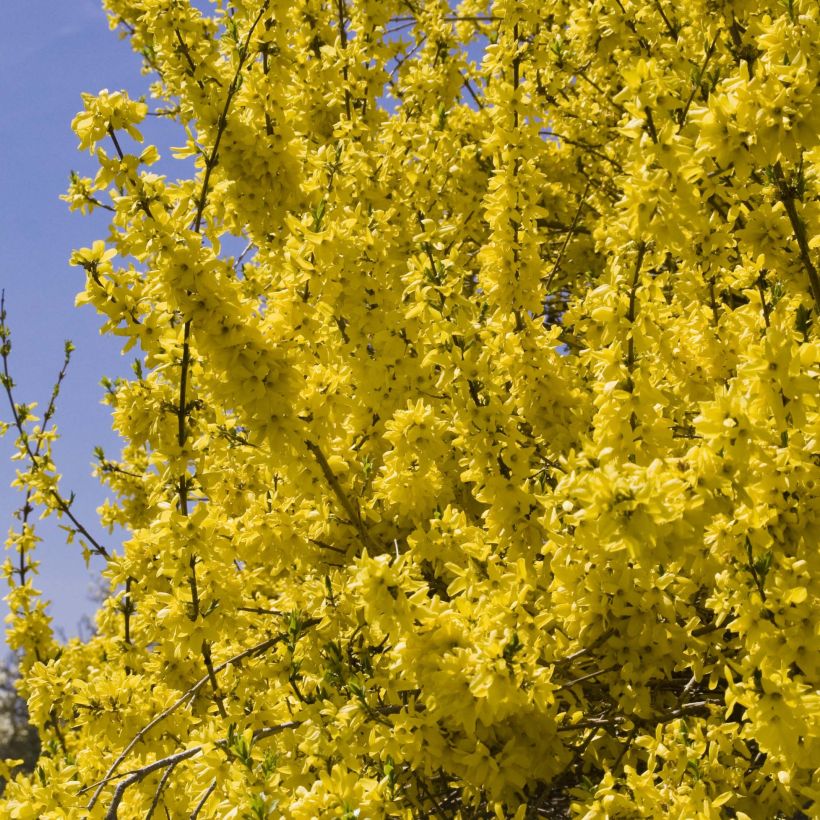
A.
x: 174, y: 760
x: 34, y: 455
x: 189, y: 694
x: 142, y: 773
x: 199, y: 806
x: 158, y: 793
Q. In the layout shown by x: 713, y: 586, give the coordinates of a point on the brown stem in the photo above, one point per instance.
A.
x: 34, y: 455
x: 349, y: 507
x: 175, y: 759
x: 340, y: 8
x: 567, y: 238
x: 650, y: 124
x: 127, y: 609
x: 672, y: 30
x: 160, y: 788
x: 787, y: 197
x: 630, y: 314
x: 183, y: 47
x: 589, y: 676
x: 182, y: 406
x: 209, y: 665
x: 696, y: 85
x: 203, y: 800
x: 188, y: 695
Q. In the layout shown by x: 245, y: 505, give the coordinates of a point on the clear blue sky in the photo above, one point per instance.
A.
x: 50, y: 51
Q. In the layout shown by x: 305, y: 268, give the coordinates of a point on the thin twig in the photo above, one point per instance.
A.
x: 241, y: 258
x: 569, y: 235
x: 189, y: 694
x: 592, y: 149
x: 258, y: 610
x: 199, y: 806
x: 341, y: 10
x: 160, y: 787
x: 182, y: 405
x: 142, y: 773
x: 673, y: 32
x: 625, y: 749
x: 650, y: 124
x: 595, y: 674
x: 175, y: 759
x: 349, y: 507
x: 630, y: 314
x: 209, y: 665
x: 62, y: 505
x: 695, y: 86
x: 183, y: 47
x: 787, y: 197
x: 600, y: 640
x: 630, y: 317
x: 453, y: 19
x: 472, y: 92
x: 47, y: 416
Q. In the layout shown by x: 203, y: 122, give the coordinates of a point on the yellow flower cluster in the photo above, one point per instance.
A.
x: 486, y: 481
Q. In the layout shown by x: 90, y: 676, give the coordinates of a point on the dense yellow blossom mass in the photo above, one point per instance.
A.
x: 485, y: 481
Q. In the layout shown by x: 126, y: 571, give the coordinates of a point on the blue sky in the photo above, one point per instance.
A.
x: 51, y: 51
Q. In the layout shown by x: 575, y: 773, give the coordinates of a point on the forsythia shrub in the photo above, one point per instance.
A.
x: 485, y: 481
